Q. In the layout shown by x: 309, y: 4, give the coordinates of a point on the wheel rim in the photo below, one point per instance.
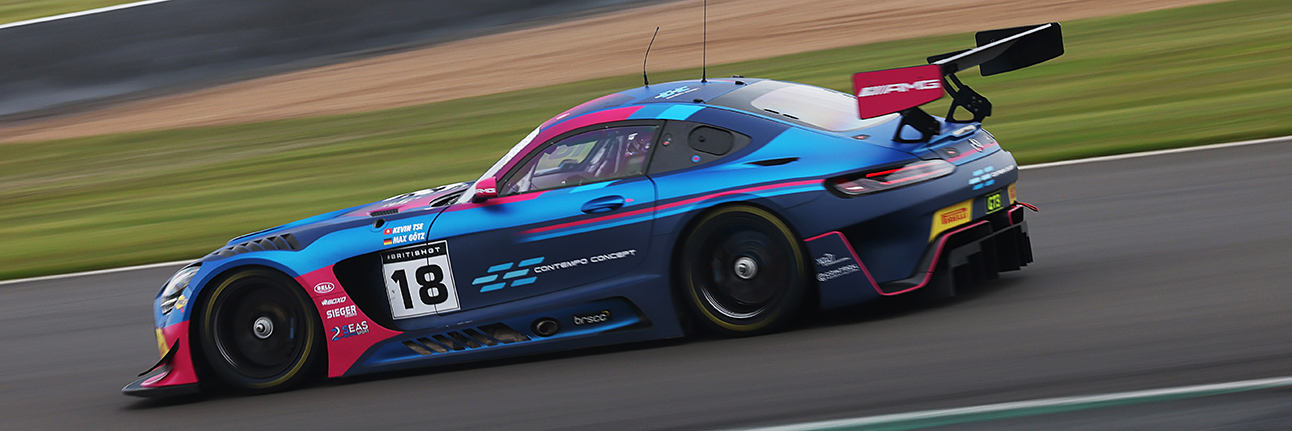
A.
x: 740, y: 269
x: 259, y: 330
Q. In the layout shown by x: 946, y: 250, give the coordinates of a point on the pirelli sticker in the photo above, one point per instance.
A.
x: 950, y: 217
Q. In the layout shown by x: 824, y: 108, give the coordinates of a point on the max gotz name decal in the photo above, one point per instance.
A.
x: 404, y: 234
x: 419, y: 280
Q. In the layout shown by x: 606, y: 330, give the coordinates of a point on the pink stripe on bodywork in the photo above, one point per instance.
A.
x: 666, y: 206
x: 496, y: 201
x: 928, y: 275
x: 341, y: 353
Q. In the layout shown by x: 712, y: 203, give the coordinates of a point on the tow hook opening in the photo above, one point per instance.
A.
x: 546, y: 327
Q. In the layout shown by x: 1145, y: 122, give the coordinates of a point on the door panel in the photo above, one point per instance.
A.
x: 576, y: 210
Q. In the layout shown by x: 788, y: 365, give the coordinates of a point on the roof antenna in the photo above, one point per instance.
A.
x: 704, y: 46
x: 652, y: 43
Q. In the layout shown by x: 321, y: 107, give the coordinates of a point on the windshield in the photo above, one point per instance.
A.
x: 497, y: 166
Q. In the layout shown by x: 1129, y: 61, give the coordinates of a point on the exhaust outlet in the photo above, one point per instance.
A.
x: 545, y: 327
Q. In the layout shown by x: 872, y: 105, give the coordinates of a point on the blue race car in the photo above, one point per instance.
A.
x: 728, y: 204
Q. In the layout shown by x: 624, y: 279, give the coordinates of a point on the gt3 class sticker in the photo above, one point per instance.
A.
x: 419, y: 280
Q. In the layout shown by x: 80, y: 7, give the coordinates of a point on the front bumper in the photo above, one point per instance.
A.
x: 174, y: 373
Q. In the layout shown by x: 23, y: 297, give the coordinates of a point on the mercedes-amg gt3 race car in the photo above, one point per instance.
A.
x: 727, y: 203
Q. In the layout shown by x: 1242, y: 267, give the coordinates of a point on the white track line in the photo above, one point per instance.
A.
x: 1037, y: 166
x: 81, y: 13
x: 1154, y: 153
x: 98, y: 272
x: 1199, y: 390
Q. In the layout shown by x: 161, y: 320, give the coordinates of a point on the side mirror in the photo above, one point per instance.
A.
x: 485, y: 189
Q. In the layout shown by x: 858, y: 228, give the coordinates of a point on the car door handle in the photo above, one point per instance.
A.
x: 603, y: 204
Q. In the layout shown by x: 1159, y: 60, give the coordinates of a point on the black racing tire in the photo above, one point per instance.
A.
x: 742, y: 271
x: 259, y: 331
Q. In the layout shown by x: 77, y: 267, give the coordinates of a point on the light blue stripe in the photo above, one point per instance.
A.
x: 494, y: 286
x: 500, y: 267
x: 586, y: 188
x: 679, y: 112
x: 524, y: 281
x: 514, y: 274
x: 534, y: 261
x: 485, y: 279
x: 650, y: 111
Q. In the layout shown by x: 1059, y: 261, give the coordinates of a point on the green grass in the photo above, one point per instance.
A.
x: 22, y: 10
x: 1172, y: 78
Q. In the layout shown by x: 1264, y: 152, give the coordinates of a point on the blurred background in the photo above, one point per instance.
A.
x: 157, y: 131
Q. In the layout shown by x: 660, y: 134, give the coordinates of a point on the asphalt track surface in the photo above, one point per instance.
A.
x: 87, y: 61
x: 1150, y: 272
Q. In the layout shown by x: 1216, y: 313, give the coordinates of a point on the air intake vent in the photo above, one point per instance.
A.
x: 467, y: 339
x: 284, y: 242
x: 384, y: 212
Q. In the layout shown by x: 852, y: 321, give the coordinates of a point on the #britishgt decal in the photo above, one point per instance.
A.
x: 419, y: 280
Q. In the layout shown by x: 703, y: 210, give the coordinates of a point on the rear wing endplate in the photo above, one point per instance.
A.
x: 903, y: 90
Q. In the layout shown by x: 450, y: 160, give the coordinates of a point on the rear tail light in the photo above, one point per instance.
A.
x: 891, y: 178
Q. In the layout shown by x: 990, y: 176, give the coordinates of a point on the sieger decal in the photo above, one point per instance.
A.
x: 346, y: 311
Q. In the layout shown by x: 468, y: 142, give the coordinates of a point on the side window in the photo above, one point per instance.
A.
x: 585, y: 158
x: 686, y: 144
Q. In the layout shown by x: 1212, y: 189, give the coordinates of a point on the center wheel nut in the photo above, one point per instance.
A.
x: 263, y: 327
x: 746, y: 268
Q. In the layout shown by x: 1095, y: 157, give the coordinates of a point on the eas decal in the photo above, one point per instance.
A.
x: 351, y: 330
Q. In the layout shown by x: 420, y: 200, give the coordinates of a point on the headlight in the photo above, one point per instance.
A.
x: 891, y: 178
x: 170, y: 293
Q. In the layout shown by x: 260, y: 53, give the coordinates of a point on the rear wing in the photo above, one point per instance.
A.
x: 903, y: 90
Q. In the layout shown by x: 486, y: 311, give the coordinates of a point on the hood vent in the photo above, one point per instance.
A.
x: 384, y: 212
x: 284, y: 242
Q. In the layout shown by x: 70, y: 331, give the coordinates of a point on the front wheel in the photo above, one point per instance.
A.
x: 742, y: 270
x: 258, y: 331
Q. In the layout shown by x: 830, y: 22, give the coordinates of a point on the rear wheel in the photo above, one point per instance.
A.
x: 259, y: 332
x: 742, y: 271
